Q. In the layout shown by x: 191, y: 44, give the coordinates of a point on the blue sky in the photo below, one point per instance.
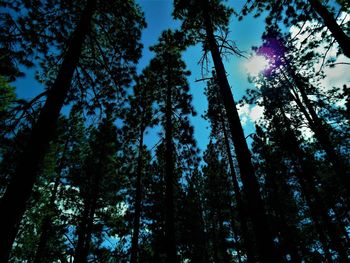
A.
x: 245, y: 33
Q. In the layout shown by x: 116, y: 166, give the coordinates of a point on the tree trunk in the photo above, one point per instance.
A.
x: 331, y: 23
x: 138, y: 198
x: 264, y: 238
x: 169, y: 187
x: 322, y: 135
x: 243, y: 220
x: 13, y: 203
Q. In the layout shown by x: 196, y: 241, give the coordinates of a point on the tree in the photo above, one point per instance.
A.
x: 279, y: 194
x: 23, y: 181
x: 138, y: 118
x: 71, y: 132
x: 217, y: 203
x: 301, y: 11
x: 275, y: 104
x: 193, y: 231
x: 211, y: 16
x: 283, y: 73
x: 44, y: 129
x: 217, y: 117
x: 168, y: 80
x: 98, y: 181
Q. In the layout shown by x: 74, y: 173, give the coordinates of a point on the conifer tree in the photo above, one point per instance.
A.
x: 289, y: 142
x: 43, y: 130
x: 138, y: 117
x: 171, y: 89
x: 201, y: 19
x: 217, y: 117
x: 217, y: 204
x: 301, y: 11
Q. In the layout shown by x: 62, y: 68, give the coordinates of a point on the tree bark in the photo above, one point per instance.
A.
x: 13, y: 203
x: 331, y: 23
x: 138, y: 198
x: 264, y: 237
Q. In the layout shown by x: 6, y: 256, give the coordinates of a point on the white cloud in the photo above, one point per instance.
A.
x: 338, y: 75
x: 334, y: 76
x: 256, y: 113
x: 251, y: 114
x: 243, y: 109
x: 243, y: 112
x: 255, y: 65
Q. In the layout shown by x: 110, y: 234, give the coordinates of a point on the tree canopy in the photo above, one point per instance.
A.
x: 104, y: 163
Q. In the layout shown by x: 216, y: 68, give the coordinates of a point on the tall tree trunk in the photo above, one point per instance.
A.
x: 331, y: 23
x: 243, y: 220
x: 264, y: 237
x: 169, y: 173
x: 138, y: 198
x: 13, y: 203
x: 317, y: 207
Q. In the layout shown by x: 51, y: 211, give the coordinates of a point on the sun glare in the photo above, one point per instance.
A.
x: 255, y: 65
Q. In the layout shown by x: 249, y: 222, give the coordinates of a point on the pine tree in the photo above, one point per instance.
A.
x: 217, y: 117
x: 217, y: 204
x: 171, y: 89
x: 98, y: 181
x: 306, y: 175
x: 301, y: 11
x: 22, y: 182
x: 45, y: 127
x: 211, y: 16
x: 73, y: 130
x: 137, y: 119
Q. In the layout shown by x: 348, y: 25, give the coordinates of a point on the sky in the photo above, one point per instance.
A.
x: 245, y: 34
